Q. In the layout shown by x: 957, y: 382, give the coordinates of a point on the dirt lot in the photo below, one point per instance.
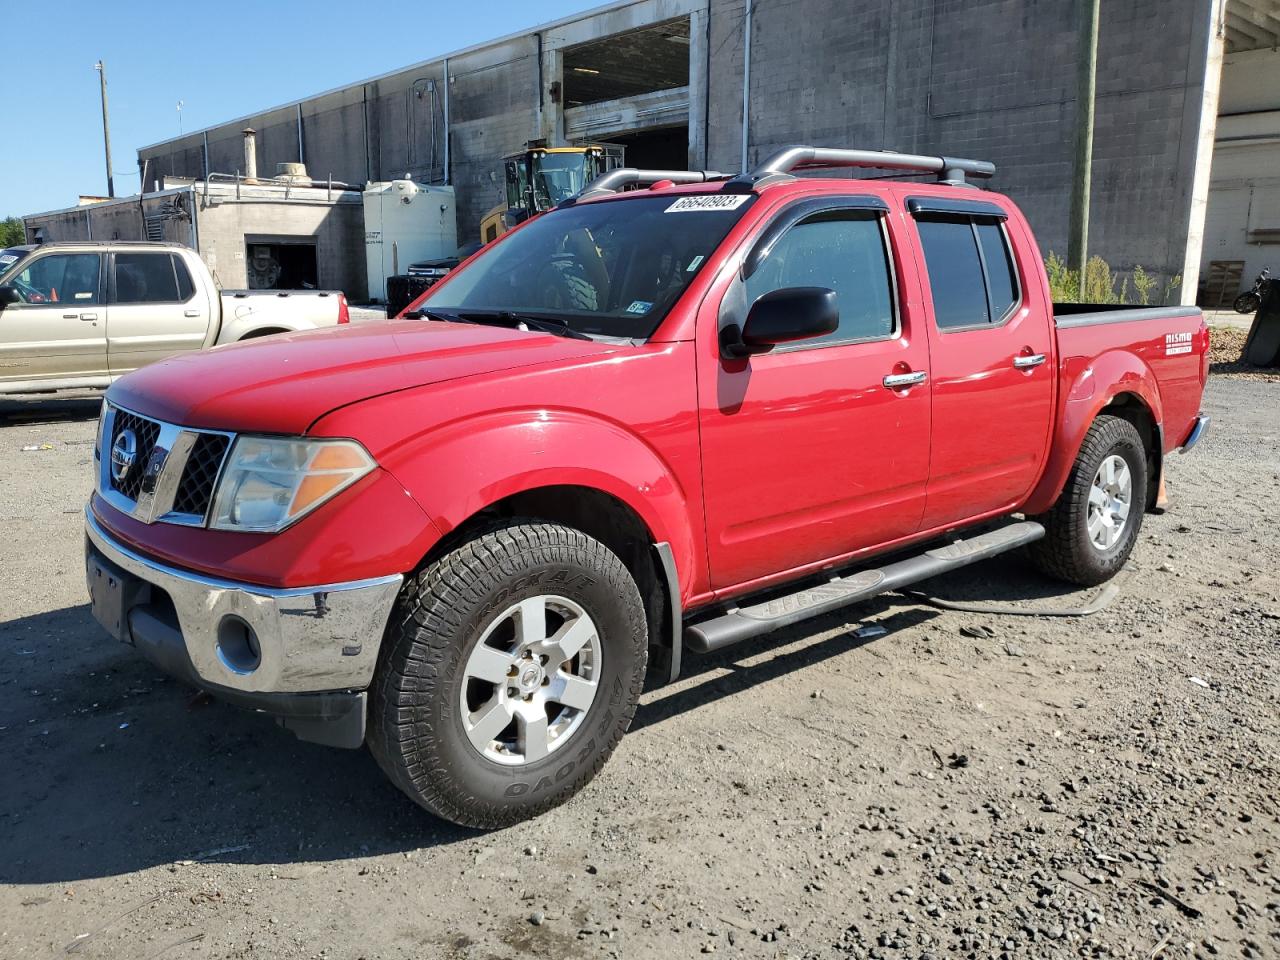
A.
x: 962, y: 786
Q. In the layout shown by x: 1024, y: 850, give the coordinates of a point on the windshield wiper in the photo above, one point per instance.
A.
x: 423, y: 312
x: 552, y: 325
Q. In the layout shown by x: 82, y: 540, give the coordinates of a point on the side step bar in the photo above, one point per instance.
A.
x: 744, y: 623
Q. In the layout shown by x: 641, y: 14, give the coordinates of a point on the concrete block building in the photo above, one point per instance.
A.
x: 717, y: 84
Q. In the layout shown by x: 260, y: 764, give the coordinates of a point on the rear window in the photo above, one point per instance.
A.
x: 145, y: 278
x: 955, y: 273
x: 971, y: 272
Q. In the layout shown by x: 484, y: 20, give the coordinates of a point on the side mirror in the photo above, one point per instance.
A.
x: 9, y: 295
x: 784, y: 316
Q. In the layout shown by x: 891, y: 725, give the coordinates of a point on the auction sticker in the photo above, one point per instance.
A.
x: 708, y: 201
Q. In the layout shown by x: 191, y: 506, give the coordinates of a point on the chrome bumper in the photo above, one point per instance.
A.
x: 1200, y: 425
x: 239, y: 637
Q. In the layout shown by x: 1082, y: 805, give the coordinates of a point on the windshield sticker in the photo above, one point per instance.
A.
x: 7, y: 259
x: 708, y: 201
x: 640, y: 306
x: 693, y: 264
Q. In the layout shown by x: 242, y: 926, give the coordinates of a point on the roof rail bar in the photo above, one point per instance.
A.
x: 950, y: 170
x: 615, y: 180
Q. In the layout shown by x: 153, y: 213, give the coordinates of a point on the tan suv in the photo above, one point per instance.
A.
x: 83, y: 314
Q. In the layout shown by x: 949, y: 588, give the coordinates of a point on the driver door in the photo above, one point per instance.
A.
x: 57, y: 330
x: 809, y: 454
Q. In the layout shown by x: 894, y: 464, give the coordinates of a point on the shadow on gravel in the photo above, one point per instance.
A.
x: 111, y: 768
x: 745, y: 677
x: 44, y: 409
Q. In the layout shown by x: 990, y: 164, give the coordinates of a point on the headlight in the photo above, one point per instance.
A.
x: 270, y: 482
x: 102, y: 421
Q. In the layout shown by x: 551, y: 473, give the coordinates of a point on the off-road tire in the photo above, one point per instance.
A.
x: 1066, y: 551
x: 415, y: 732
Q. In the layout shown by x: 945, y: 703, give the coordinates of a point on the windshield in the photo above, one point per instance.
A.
x: 557, y: 177
x: 612, y: 268
x: 9, y: 258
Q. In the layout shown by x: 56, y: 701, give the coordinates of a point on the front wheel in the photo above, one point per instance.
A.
x: 1247, y: 303
x: 511, y: 668
x: 1091, y: 530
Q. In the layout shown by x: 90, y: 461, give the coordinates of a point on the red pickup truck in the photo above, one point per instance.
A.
x: 651, y: 421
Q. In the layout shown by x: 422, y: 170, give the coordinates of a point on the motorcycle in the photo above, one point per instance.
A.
x: 1249, y: 302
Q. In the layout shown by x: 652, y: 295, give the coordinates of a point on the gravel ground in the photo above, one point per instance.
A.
x: 963, y: 785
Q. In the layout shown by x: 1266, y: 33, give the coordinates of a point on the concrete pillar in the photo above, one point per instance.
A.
x: 551, y: 128
x: 699, y: 87
x: 1201, y: 115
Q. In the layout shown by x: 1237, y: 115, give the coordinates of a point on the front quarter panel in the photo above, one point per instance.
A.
x: 625, y: 425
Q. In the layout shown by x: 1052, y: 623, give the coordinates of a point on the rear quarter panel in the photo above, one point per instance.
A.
x: 1162, y: 360
x: 247, y: 311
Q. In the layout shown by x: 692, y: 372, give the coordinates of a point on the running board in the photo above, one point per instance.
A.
x: 744, y: 623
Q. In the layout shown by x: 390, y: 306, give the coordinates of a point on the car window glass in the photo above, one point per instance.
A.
x: 955, y: 273
x: 68, y: 278
x: 611, y: 268
x: 843, y: 253
x: 185, y: 287
x: 1001, y: 285
x: 145, y: 278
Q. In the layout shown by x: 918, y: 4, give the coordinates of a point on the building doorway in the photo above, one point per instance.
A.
x: 281, y: 263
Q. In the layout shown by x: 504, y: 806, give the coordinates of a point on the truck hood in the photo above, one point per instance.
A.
x: 284, y: 383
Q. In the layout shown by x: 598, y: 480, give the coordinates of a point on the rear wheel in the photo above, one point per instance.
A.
x: 1091, y: 530
x: 1247, y: 303
x: 511, y: 669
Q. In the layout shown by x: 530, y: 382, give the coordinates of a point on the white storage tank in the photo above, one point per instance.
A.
x: 405, y: 222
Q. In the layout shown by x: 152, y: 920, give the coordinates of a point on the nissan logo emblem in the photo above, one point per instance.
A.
x: 123, y: 454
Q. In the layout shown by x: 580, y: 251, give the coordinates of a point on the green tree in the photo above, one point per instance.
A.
x: 11, y: 232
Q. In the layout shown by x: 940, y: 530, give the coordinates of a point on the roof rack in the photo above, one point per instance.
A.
x: 615, y: 180
x: 779, y: 167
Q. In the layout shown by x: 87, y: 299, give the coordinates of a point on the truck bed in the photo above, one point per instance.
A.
x: 1167, y: 346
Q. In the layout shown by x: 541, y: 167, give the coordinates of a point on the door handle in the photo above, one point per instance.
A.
x: 896, y: 381
x: 1027, y: 362
x: 191, y: 313
x: 88, y: 316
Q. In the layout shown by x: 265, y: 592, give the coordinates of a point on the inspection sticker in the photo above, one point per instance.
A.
x: 640, y: 306
x: 708, y: 201
x: 1176, y: 343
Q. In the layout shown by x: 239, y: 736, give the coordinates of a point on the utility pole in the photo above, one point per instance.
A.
x: 106, y: 126
x: 1082, y: 168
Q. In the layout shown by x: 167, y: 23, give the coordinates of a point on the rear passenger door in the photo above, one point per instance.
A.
x: 808, y: 453
x: 991, y: 358
x: 155, y: 309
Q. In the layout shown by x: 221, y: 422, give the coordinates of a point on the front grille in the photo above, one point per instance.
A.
x: 195, y: 489
x: 145, y: 433
x: 174, y: 472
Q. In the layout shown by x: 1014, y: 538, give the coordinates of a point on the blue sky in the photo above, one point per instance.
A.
x: 222, y: 60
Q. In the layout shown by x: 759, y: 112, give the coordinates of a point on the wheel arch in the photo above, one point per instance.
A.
x: 262, y: 332
x: 1117, y: 383
x: 602, y: 516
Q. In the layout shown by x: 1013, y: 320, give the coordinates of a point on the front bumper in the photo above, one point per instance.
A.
x: 303, y: 654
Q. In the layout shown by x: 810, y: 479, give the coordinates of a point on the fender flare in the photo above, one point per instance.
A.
x: 1087, y: 389
x: 462, y: 468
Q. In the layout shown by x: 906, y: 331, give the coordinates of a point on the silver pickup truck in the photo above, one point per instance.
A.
x: 76, y: 315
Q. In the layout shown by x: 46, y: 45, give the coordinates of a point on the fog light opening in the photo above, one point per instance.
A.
x: 237, y: 645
